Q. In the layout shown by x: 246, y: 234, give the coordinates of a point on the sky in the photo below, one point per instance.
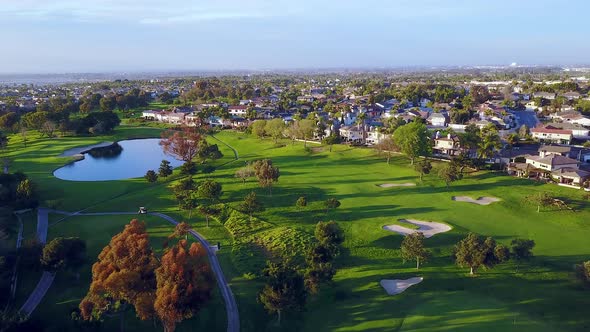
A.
x: 73, y: 36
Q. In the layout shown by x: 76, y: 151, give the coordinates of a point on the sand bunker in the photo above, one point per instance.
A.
x: 389, y: 185
x: 82, y: 149
x: 396, y: 286
x: 428, y: 228
x: 481, y: 200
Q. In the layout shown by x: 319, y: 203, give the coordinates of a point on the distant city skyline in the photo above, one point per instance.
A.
x: 93, y: 36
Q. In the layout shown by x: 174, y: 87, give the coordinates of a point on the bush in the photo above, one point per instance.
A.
x: 188, y: 168
x: 151, y: 176
x: 301, y: 202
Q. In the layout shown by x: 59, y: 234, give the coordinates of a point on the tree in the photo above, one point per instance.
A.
x: 413, y: 140
x: 470, y: 138
x: 521, y: 250
x: 183, y: 144
x: 320, y: 268
x: 181, y: 230
x: 330, y: 235
x: 541, y: 199
x: 306, y: 130
x: 24, y: 135
x: 35, y: 120
x: 331, y: 203
x: 9, y: 121
x: 124, y: 273
x: 449, y: 173
x: 523, y: 131
x: 331, y: 140
x: 63, y: 253
x: 489, y: 141
x: 479, y: 93
x: 266, y: 173
x: 151, y: 176
x: 251, y: 204
x: 258, y: 128
x: 301, y: 202
x: 26, y: 190
x: 413, y: 248
x: 208, y: 152
x: 473, y: 252
x: 184, y: 284
x: 209, y: 190
x: 48, y: 129
x: 386, y: 146
x: 165, y: 169
x: 207, y: 211
x: 423, y: 167
x: 245, y: 172
x: 583, y: 272
x: 275, y: 128
x: 284, y: 289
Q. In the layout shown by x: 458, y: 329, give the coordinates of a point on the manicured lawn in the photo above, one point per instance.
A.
x: 541, y: 296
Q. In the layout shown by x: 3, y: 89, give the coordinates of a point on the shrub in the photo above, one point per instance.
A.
x: 301, y: 201
x: 151, y: 176
x: 208, y: 169
x: 188, y: 168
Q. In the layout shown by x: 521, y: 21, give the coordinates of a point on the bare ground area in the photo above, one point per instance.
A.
x: 390, y: 185
x: 428, y: 228
x: 486, y: 200
x: 396, y: 286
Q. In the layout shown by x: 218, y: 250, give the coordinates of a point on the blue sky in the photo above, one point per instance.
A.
x: 41, y: 36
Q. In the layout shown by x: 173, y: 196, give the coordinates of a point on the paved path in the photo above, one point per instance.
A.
x: 233, y: 318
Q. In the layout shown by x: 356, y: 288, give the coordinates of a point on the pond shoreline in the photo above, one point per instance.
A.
x: 79, y: 152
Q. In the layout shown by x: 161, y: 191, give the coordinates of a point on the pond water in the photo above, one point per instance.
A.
x: 132, y: 160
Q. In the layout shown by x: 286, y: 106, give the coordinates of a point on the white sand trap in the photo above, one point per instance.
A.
x: 396, y: 286
x: 389, y: 185
x: 82, y: 149
x: 481, y: 200
x: 428, y: 228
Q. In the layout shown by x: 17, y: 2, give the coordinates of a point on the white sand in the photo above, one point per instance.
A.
x: 481, y: 200
x: 428, y: 228
x: 396, y: 286
x: 82, y: 149
x: 389, y: 185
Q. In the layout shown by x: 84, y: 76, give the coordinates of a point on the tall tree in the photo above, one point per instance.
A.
x: 284, y: 289
x: 449, y: 173
x: 306, y: 130
x: 251, y: 204
x: 275, y: 128
x: 124, y: 273
x: 386, y: 146
x: 489, y: 141
x: 320, y: 267
x: 412, y: 248
x: 209, y: 190
x: 183, y: 144
x: 521, y: 250
x: 184, y: 284
x: 474, y: 252
x: 423, y: 167
x: 331, y: 140
x: 413, y: 140
x: 165, y: 169
x: 266, y: 173
x: 330, y: 235
x: 63, y: 253
x: 258, y: 128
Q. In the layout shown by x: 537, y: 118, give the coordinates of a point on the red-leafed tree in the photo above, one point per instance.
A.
x: 124, y: 274
x: 184, y: 284
x: 183, y: 144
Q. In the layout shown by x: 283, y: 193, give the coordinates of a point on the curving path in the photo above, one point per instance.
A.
x: 231, y: 307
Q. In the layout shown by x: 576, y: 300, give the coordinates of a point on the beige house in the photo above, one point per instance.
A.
x: 448, y: 145
x: 551, y: 162
x: 553, y: 135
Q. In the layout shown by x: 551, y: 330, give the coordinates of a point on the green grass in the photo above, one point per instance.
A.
x: 403, y: 224
x: 541, y: 296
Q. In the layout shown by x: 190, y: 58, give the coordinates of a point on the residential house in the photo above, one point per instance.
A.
x: 551, y: 162
x: 374, y: 135
x: 572, y: 95
x: 578, y: 131
x: 237, y: 110
x: 353, y: 134
x: 552, y: 135
x: 448, y: 145
x: 437, y: 119
x: 548, y: 150
x: 544, y: 95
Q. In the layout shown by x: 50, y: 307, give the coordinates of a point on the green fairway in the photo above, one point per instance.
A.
x: 540, y: 296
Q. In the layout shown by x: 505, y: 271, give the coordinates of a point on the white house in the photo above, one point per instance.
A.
x: 352, y: 133
x: 551, y: 162
x: 237, y: 110
x: 448, y: 145
x: 553, y: 135
x: 437, y: 119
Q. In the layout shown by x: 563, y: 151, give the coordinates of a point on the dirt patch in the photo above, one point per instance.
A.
x: 396, y: 286
x: 486, y: 200
x: 390, y: 185
x: 428, y: 228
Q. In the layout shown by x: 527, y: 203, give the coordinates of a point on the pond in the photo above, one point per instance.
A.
x: 123, y: 160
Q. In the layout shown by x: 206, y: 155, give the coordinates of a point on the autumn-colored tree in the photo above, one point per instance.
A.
x: 181, y: 230
x: 123, y: 274
x: 184, y: 283
x: 266, y: 173
x: 183, y: 144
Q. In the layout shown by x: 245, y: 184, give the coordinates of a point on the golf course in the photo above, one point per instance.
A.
x: 540, y: 294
